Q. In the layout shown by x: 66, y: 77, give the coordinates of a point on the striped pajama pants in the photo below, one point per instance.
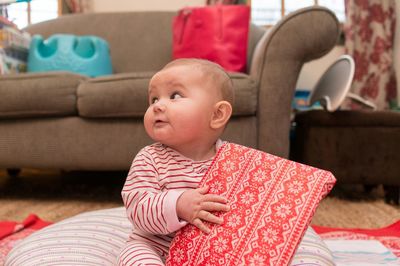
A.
x: 144, y: 250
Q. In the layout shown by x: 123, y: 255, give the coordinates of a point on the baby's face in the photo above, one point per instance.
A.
x: 181, y: 104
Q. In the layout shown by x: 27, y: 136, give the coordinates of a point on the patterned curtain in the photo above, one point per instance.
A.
x: 369, y: 38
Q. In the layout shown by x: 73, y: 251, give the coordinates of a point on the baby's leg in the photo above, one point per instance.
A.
x: 139, y: 253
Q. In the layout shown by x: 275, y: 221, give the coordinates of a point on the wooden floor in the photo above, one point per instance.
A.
x: 54, y: 196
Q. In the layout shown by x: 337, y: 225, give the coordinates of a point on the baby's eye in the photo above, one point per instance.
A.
x: 175, y: 96
x: 153, y: 100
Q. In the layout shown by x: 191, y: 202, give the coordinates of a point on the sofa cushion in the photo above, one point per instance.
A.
x: 38, y: 94
x: 119, y: 95
x: 246, y: 94
x: 125, y: 95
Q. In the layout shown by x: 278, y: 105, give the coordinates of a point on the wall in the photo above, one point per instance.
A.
x: 149, y: 5
x: 312, y: 71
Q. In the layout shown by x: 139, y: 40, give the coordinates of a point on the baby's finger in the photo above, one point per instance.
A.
x: 199, y: 224
x: 214, y: 206
x: 209, y: 217
x: 203, y: 190
x: 215, y: 198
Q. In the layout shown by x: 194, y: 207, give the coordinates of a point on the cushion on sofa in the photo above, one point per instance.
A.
x: 33, y: 95
x: 95, y: 238
x: 119, y: 95
x: 246, y: 94
x: 125, y: 95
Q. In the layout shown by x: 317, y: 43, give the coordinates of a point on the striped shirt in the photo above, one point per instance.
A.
x: 156, y: 179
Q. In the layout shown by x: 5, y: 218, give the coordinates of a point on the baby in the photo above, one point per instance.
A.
x: 190, y: 103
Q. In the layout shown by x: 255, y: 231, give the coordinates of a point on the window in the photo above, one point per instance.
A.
x: 23, y: 14
x: 268, y: 12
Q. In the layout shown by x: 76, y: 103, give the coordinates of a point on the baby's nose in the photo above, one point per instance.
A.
x: 159, y: 106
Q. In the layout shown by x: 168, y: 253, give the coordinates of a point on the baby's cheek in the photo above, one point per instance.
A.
x: 147, y: 121
x: 195, y: 125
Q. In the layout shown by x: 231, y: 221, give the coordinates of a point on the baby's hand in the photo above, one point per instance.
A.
x: 195, y: 206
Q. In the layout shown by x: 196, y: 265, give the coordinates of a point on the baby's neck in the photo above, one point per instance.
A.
x: 200, y: 153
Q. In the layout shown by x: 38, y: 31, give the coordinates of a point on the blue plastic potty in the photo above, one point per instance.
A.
x: 86, y: 55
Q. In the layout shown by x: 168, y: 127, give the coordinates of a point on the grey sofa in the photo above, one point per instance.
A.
x: 68, y: 121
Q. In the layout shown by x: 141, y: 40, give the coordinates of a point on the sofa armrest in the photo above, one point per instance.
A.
x: 301, y: 36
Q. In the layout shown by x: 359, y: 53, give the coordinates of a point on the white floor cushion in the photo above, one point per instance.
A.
x: 95, y: 238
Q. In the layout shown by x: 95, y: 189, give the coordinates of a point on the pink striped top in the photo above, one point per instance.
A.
x: 156, y: 179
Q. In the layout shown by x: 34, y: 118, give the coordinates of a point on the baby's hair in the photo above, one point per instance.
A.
x: 213, y: 72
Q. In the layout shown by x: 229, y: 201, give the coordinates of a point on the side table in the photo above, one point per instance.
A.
x: 358, y: 147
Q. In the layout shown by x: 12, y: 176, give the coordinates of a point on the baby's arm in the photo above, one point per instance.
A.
x: 195, y: 206
x: 148, y: 208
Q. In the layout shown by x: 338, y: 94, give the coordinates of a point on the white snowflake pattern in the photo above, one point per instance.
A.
x: 233, y: 220
x: 283, y: 210
x: 216, y: 187
x: 304, y: 167
x: 178, y: 255
x: 228, y: 165
x: 247, y: 198
x: 257, y: 259
x: 296, y: 187
x: 220, y: 245
x: 260, y: 176
x: 269, y: 236
x: 238, y: 148
x: 189, y: 233
x: 270, y: 158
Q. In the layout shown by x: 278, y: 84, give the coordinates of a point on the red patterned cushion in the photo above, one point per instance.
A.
x: 272, y: 202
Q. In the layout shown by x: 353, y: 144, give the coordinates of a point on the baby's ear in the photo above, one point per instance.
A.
x: 222, y: 113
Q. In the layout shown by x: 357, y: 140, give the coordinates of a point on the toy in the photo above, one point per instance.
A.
x: 86, y: 55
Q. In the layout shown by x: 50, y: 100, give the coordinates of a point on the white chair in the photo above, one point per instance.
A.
x: 334, y: 85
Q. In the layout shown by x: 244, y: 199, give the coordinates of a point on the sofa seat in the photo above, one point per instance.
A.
x: 121, y: 95
x: 125, y: 95
x: 39, y: 95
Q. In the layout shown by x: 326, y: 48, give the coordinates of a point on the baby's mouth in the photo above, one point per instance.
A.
x: 160, y: 122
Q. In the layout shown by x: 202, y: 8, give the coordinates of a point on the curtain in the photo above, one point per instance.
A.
x: 76, y: 6
x: 369, y: 37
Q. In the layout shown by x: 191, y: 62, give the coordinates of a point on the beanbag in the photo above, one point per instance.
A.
x: 96, y: 238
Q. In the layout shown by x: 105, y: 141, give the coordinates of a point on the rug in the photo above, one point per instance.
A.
x: 12, y: 232
x: 389, y: 236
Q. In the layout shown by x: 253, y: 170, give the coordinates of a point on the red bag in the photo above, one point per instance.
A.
x: 218, y: 33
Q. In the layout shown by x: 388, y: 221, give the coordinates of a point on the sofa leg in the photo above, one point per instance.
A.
x: 368, y: 188
x: 13, y: 172
x: 392, y: 194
